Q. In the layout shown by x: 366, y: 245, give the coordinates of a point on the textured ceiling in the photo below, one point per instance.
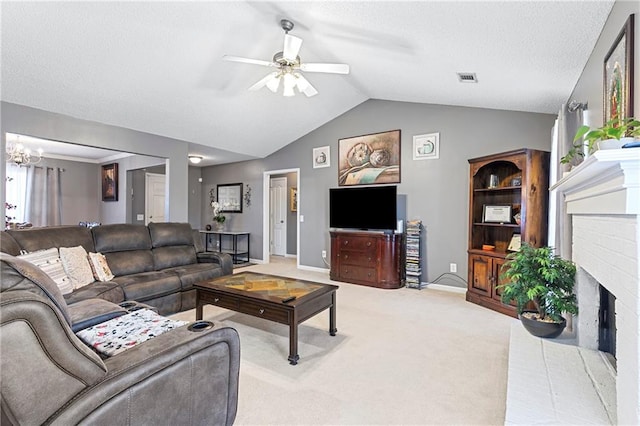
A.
x: 156, y: 66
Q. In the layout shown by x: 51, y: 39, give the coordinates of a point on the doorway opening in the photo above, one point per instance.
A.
x: 288, y: 211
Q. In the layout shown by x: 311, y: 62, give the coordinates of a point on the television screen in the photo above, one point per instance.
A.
x: 370, y: 208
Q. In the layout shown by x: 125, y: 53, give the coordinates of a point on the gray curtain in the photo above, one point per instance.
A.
x: 43, y: 205
x: 560, y: 229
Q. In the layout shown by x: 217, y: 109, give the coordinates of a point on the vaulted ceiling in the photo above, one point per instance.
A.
x: 157, y: 66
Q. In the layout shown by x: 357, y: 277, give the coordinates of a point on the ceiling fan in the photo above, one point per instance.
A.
x: 288, y: 67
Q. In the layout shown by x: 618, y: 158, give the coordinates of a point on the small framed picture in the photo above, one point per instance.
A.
x: 110, y: 182
x: 294, y: 199
x: 515, y: 243
x: 426, y: 147
x: 321, y: 157
x: 496, y: 214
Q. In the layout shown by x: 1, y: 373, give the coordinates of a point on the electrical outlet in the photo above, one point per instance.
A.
x: 324, y: 254
x: 453, y: 267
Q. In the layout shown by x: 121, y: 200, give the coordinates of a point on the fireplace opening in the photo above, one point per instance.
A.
x: 607, y: 322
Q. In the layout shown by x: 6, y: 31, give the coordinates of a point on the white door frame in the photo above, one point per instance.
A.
x: 265, y: 212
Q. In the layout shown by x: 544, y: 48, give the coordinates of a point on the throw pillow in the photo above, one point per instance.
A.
x: 100, y: 268
x: 76, y: 264
x: 50, y: 263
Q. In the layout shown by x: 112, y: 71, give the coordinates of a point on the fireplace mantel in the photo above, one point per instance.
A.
x: 602, y: 195
x: 606, y: 182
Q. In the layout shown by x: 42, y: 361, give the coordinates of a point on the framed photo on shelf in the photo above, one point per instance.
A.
x: 496, y: 214
x: 515, y: 243
x: 230, y: 197
x: 426, y: 147
x: 618, y: 75
x: 110, y: 182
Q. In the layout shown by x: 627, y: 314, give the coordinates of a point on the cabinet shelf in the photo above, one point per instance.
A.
x: 498, y: 189
x: 501, y: 225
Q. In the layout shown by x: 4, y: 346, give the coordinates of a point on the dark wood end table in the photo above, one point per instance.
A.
x: 284, y: 300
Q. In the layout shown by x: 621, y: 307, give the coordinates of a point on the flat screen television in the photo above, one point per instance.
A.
x: 367, y: 208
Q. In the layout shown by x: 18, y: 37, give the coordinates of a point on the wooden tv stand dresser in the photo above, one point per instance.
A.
x: 374, y: 259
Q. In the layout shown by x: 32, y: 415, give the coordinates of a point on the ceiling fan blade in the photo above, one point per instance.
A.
x: 304, y: 86
x: 249, y: 61
x: 266, y: 82
x: 331, y: 68
x: 291, y: 47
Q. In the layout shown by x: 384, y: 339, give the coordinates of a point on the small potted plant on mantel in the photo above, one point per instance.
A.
x: 537, y: 276
x: 613, y: 134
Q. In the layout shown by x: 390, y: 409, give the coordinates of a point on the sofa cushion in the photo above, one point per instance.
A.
x: 34, y: 239
x: 100, y: 267
x: 167, y: 257
x: 148, y: 285
x: 108, y: 291
x: 120, y: 237
x: 170, y: 234
x: 76, y: 264
x: 191, y: 274
x: 129, y: 262
x: 49, y: 261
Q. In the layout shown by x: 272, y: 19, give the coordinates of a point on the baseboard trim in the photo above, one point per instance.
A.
x: 461, y: 290
x: 290, y: 255
x: 257, y: 261
x: 313, y: 268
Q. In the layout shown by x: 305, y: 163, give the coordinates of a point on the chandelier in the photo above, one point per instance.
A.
x: 21, y: 156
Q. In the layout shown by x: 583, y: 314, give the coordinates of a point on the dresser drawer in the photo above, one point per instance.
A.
x: 218, y: 300
x: 358, y: 243
x: 349, y: 257
x: 358, y: 273
x: 260, y: 310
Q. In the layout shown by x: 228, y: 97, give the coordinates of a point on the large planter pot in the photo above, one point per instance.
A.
x: 612, y: 143
x: 541, y: 328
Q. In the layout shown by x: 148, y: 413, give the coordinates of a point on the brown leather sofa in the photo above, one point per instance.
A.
x: 155, y: 264
x: 49, y: 376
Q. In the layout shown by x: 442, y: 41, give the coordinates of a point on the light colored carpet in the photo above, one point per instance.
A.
x: 400, y: 357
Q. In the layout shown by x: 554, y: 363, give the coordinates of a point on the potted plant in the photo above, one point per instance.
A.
x: 218, y: 217
x: 535, y: 276
x: 613, y: 130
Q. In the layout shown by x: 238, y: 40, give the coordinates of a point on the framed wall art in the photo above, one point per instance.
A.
x: 110, y: 182
x: 321, y: 157
x: 369, y: 159
x: 618, y: 75
x: 426, y: 147
x: 294, y: 199
x: 230, y: 197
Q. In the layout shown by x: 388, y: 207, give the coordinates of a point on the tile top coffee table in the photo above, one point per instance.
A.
x: 284, y: 300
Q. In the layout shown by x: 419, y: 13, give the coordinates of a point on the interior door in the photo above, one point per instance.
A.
x: 154, y: 198
x: 278, y: 215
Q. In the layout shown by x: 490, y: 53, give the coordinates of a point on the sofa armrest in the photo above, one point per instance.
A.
x: 178, y: 377
x: 43, y: 365
x: 222, y: 259
x: 89, y: 312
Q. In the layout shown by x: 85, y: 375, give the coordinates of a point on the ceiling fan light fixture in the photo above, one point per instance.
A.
x: 274, y: 83
x: 195, y: 159
x: 289, y: 84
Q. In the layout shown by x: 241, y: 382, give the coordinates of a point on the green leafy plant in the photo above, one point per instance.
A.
x: 537, y: 275
x: 612, y: 129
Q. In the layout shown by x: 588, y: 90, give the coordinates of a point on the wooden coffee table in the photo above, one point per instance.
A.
x: 283, y: 300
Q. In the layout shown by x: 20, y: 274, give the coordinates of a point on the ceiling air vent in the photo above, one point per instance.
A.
x: 467, y: 77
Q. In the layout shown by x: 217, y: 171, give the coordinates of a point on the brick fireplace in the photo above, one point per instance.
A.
x: 602, y: 196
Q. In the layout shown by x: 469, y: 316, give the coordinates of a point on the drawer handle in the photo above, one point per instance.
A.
x: 346, y: 271
x: 346, y: 242
x: 368, y: 243
x: 369, y: 258
x: 369, y: 274
x: 216, y: 300
x: 261, y: 311
x: 346, y: 256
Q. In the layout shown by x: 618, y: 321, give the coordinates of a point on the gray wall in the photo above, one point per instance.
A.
x: 47, y: 125
x: 80, y: 199
x: 195, y: 197
x: 436, y: 190
x: 589, y: 87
